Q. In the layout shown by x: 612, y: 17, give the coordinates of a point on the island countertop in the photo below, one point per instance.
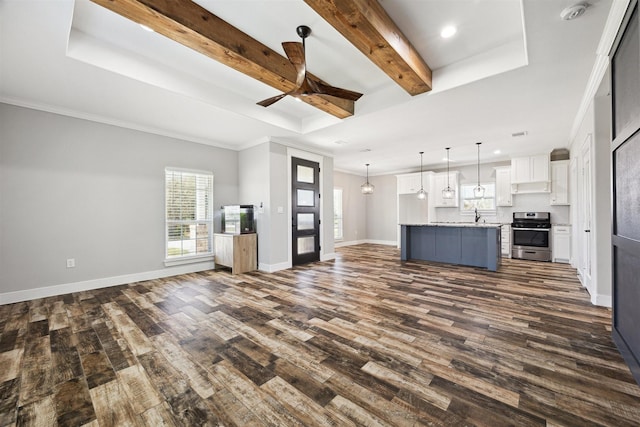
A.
x: 458, y: 224
x: 469, y: 244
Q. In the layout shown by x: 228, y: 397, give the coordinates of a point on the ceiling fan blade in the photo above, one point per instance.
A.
x: 323, y: 89
x: 295, y: 53
x: 272, y: 100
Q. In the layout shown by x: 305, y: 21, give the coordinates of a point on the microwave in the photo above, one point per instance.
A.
x: 238, y: 219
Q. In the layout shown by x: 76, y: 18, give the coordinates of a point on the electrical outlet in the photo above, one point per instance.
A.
x: 71, y: 263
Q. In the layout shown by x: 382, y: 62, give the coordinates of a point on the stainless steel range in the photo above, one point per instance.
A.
x: 530, y: 236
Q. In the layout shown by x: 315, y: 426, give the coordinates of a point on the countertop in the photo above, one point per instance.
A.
x: 459, y: 224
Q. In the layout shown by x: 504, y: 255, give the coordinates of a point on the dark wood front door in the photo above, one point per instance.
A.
x: 625, y: 238
x: 305, y: 211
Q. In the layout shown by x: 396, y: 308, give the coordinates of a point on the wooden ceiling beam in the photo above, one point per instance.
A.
x: 195, y: 27
x: 368, y: 27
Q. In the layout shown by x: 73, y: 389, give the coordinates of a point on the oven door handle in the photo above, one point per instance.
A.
x: 530, y: 229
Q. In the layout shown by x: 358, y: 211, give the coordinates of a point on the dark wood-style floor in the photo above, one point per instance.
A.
x: 362, y: 340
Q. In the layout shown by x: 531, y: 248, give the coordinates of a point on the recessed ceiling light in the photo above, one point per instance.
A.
x: 497, y: 152
x: 144, y: 27
x: 448, y: 31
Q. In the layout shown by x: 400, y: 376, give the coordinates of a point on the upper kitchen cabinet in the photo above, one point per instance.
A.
x: 559, y: 183
x: 439, y: 184
x: 530, y: 169
x: 409, y: 183
x: 530, y: 174
x: 503, y: 186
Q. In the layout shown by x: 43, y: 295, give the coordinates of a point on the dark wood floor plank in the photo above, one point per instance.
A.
x: 9, y: 393
x: 362, y: 340
x: 74, y: 406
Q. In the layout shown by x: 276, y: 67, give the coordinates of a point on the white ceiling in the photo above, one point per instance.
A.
x: 513, y: 66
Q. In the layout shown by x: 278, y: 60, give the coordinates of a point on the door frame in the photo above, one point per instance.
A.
x: 585, y: 189
x: 292, y: 152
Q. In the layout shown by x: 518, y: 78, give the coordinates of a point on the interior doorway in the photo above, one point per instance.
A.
x: 305, y: 211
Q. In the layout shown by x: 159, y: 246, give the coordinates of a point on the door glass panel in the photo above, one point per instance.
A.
x: 306, y: 244
x: 305, y: 221
x: 305, y: 197
x: 305, y: 174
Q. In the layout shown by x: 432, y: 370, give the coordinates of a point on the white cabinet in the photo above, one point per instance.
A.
x: 439, y: 184
x: 561, y: 249
x: 520, y: 170
x: 409, y: 183
x: 505, y: 238
x: 539, y: 168
x: 530, y: 169
x: 503, y: 186
x: 530, y: 174
x: 559, y: 183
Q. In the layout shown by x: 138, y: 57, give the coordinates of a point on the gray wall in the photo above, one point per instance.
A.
x: 72, y: 188
x: 382, y: 216
x: 279, y: 191
x: 253, y: 177
x: 354, y: 206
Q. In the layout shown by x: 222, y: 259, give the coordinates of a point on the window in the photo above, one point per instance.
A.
x: 337, y: 214
x: 468, y: 203
x: 189, y: 213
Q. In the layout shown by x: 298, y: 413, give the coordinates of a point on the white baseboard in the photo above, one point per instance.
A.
x: 349, y: 243
x: 383, y: 242
x: 327, y: 257
x: 360, y: 242
x: 272, y: 268
x: 87, y: 285
x: 602, y: 300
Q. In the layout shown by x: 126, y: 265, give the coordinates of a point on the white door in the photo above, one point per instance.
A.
x: 585, y: 214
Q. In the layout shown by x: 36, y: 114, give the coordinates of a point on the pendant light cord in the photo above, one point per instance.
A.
x: 478, y: 144
x: 421, y: 187
x: 448, y: 186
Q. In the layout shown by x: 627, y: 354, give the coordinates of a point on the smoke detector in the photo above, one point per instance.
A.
x: 572, y: 12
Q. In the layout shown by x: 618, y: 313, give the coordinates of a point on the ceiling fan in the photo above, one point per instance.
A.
x: 304, y: 84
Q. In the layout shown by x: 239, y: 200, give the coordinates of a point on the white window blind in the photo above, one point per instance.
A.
x: 189, y: 213
x: 337, y: 214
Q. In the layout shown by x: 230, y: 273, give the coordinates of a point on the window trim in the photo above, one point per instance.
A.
x: 484, y: 211
x: 189, y: 259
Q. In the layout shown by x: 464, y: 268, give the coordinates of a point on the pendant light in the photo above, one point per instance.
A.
x: 421, y: 193
x: 367, y: 188
x: 448, y: 193
x: 478, y: 192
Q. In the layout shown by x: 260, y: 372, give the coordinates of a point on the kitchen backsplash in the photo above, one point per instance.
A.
x: 537, y: 202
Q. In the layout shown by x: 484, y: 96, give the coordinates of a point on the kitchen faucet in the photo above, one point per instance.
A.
x: 477, y: 216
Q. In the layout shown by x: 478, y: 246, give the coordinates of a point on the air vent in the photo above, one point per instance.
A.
x: 523, y: 133
x: 572, y: 12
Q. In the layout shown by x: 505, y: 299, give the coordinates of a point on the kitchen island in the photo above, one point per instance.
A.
x: 472, y: 244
